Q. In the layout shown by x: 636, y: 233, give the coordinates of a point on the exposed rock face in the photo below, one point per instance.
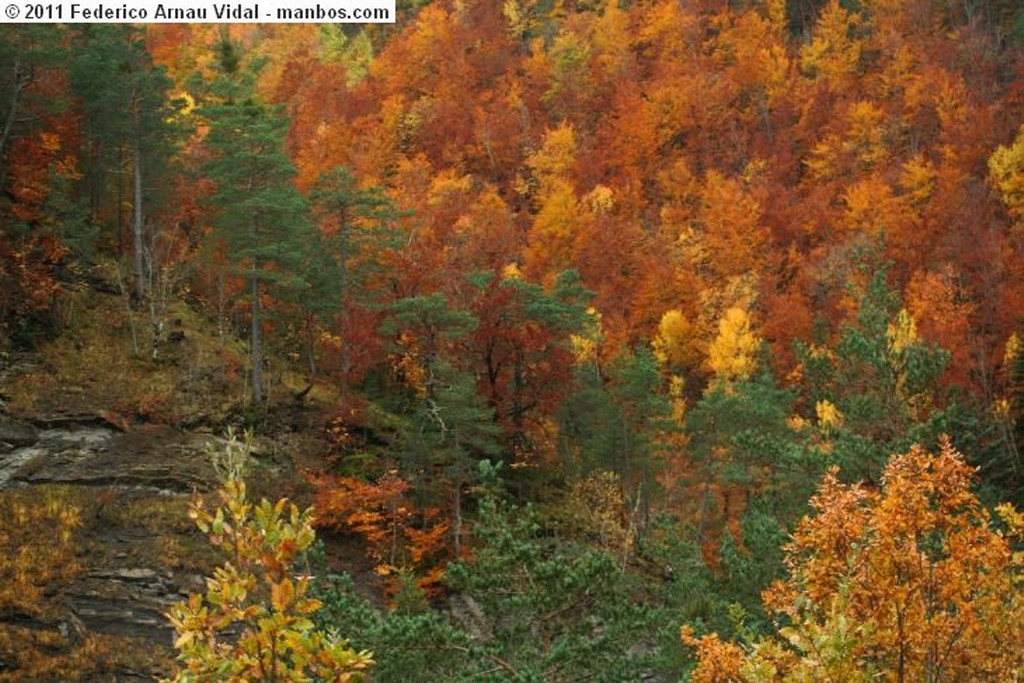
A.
x: 155, y: 457
x: 135, y: 542
x: 130, y: 601
x: 16, y: 433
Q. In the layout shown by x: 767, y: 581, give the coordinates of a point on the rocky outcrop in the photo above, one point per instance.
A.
x: 127, y: 601
x: 16, y: 434
x: 152, y: 456
x: 136, y: 548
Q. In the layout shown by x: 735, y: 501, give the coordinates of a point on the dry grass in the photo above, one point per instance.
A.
x: 104, y: 359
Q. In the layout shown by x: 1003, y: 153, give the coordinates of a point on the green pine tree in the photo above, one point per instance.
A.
x: 450, y: 427
x: 644, y: 420
x: 259, y: 215
x: 129, y: 125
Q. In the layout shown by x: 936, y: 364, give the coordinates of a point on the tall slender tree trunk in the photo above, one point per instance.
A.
x: 255, y: 353
x: 343, y: 323
x: 138, y: 233
x: 627, y: 464
x: 457, y: 513
x: 119, y: 177
x: 346, y: 355
x: 221, y: 306
x: 311, y: 346
x: 645, y: 499
x: 21, y: 81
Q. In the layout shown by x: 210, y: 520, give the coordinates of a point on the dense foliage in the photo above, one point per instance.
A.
x: 580, y: 299
x: 914, y: 582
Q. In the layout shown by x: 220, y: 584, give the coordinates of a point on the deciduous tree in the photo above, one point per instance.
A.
x: 256, y: 592
x: 909, y: 582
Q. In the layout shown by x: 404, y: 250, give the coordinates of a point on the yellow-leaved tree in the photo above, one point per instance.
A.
x: 833, y: 52
x: 914, y: 582
x: 254, y: 621
x: 732, y: 355
x: 676, y: 344
x: 1006, y: 173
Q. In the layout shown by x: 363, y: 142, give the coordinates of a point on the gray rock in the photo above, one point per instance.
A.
x: 127, y: 574
x: 17, y: 433
x: 135, y: 574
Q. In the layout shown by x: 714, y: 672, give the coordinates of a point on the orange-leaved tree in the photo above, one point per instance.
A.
x: 400, y: 537
x: 912, y: 582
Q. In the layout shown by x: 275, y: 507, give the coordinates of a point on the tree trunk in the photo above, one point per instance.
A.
x: 138, y: 233
x: 457, y: 517
x: 21, y: 81
x: 255, y: 353
x: 311, y: 345
x: 645, y: 499
x: 343, y: 322
x: 345, y: 352
x: 627, y: 464
x: 221, y: 306
x: 457, y: 511
x: 119, y: 177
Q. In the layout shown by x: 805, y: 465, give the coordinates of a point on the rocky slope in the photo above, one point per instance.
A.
x: 110, y: 448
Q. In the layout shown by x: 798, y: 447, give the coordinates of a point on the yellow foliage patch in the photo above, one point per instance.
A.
x: 733, y: 354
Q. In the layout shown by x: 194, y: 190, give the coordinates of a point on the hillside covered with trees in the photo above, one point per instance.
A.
x: 615, y: 341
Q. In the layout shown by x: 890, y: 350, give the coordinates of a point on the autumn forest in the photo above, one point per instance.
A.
x: 534, y: 340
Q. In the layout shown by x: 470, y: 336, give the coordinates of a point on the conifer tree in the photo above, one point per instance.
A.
x: 450, y: 423
x: 345, y: 259
x: 643, y: 420
x: 128, y: 120
x: 258, y: 212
